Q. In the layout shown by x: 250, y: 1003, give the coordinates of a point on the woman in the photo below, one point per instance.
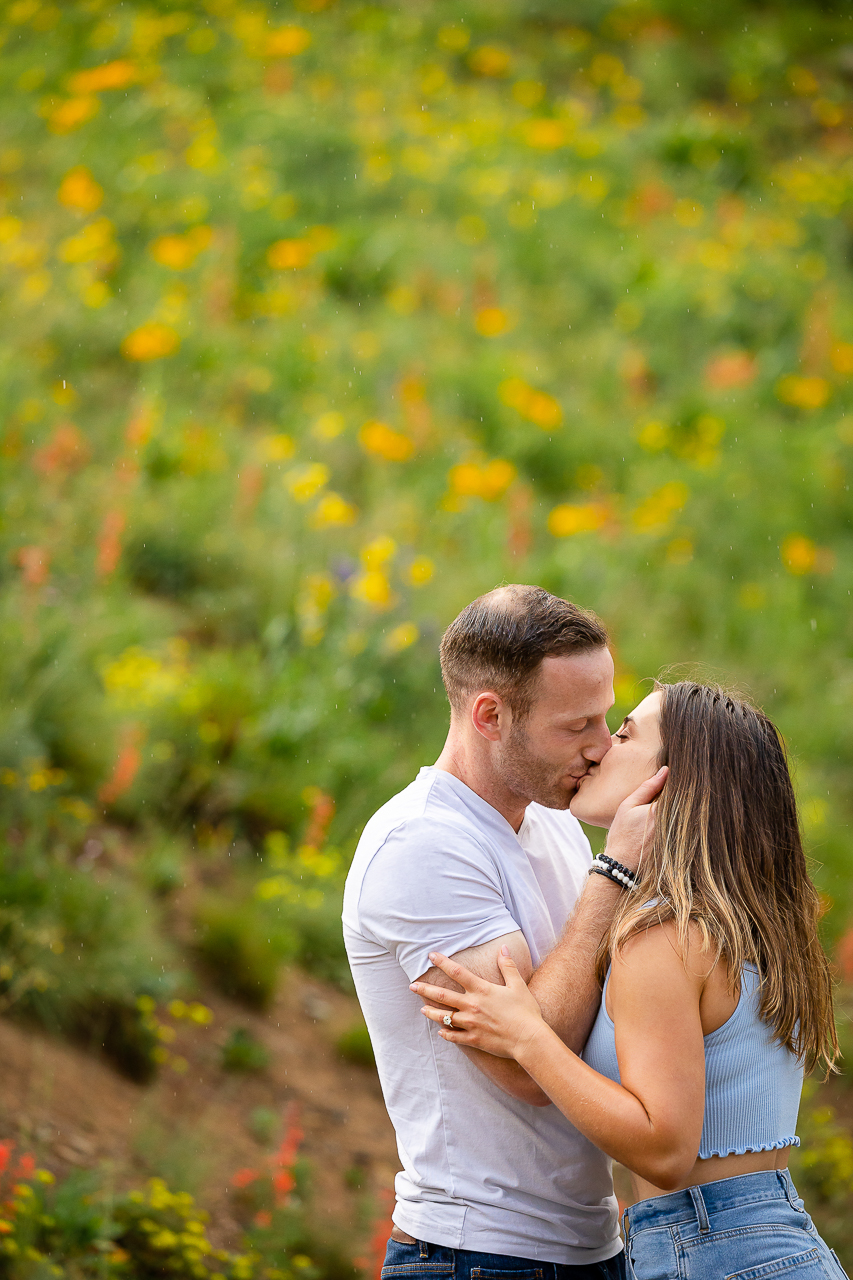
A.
x: 716, y: 998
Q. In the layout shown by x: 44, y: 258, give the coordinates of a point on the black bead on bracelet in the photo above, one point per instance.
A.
x: 612, y: 870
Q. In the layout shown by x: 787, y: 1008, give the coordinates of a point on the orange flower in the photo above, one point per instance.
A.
x: 545, y: 134
x: 180, y: 252
x: 535, y: 406
x: 79, y: 190
x: 112, y: 75
x: 730, y: 369
x: 380, y: 439
x: 65, y: 451
x: 109, y: 543
x: 150, y: 341
x: 244, y: 1178
x: 290, y: 255
x: 799, y: 554
x: 35, y: 565
x: 286, y: 42
x: 72, y: 113
x: 126, y: 766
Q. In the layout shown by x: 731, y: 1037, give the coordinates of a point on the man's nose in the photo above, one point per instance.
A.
x: 599, y: 748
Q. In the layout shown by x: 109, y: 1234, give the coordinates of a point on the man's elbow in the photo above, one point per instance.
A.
x: 530, y: 1092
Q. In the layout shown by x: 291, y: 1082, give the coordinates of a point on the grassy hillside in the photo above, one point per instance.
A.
x: 319, y: 320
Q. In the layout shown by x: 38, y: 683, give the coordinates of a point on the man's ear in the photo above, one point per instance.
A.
x: 490, y: 716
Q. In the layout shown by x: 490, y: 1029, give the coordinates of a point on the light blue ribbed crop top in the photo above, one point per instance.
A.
x: 752, y: 1083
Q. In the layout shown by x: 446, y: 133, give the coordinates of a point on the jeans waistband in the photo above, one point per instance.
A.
x: 697, y: 1203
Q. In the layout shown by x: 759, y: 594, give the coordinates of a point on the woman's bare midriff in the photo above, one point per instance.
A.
x: 716, y: 1167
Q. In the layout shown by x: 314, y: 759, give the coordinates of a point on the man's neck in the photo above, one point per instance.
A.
x: 479, y: 778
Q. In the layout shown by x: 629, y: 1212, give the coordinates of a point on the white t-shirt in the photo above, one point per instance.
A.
x: 437, y: 868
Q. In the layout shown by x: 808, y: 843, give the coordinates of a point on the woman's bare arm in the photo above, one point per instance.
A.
x: 652, y: 1121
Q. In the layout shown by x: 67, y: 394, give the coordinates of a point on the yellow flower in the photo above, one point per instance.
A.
x: 373, y: 588
x: 150, y: 341
x: 112, y: 75
x: 489, y: 481
x: 72, y: 114
x: 569, y: 518
x: 490, y: 60
x: 491, y: 322
x: 79, y: 190
x: 535, y: 406
x: 289, y: 255
x: 375, y: 553
x: 305, y: 481
x: 332, y: 509
x: 841, y: 356
x: 421, y: 571
x: 798, y: 554
x: 655, y: 513
x: 276, y: 448
x: 545, y: 134
x: 94, y: 243
x: 803, y: 393
x: 653, y: 436
x: 401, y: 637
x: 180, y: 252
x: 286, y: 42
x: 380, y: 439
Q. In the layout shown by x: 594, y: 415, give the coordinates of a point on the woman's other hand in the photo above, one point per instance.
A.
x: 498, y: 1020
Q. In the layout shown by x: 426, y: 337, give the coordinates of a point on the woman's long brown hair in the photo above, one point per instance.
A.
x: 727, y: 856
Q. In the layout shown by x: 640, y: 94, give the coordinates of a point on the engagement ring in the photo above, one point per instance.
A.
x: 448, y: 1019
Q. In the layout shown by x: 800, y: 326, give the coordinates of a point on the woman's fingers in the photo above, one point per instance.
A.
x: 509, y: 969
x: 438, y: 1015
x: 441, y: 995
x: 463, y: 976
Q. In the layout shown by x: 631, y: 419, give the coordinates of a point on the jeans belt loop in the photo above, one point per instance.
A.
x: 424, y: 1248
x: 788, y: 1187
x: 699, y: 1206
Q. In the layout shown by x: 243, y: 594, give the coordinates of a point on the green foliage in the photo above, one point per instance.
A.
x: 321, y: 322
x: 243, y: 1051
x: 238, y: 953
x: 355, y: 1045
x: 76, y: 955
x: 822, y: 1168
x: 77, y: 1229
x: 263, y: 1125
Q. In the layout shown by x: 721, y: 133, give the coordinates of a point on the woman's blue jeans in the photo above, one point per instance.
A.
x: 754, y: 1227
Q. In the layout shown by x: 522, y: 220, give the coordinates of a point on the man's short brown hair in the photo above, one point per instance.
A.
x: 500, y: 639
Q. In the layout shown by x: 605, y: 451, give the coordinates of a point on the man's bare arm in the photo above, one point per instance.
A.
x: 565, y: 984
x: 483, y: 961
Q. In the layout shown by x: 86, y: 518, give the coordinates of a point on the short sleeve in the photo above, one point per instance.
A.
x: 428, y: 888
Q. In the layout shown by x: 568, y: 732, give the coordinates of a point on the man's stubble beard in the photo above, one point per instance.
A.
x: 529, y: 776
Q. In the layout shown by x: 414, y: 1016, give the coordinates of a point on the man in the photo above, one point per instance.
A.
x: 478, y: 852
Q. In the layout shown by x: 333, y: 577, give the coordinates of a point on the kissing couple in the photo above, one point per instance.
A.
x: 536, y: 1012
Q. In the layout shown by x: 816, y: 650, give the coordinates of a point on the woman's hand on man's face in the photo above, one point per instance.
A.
x: 486, y: 1016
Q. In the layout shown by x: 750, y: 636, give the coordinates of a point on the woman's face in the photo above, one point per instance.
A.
x: 631, y: 760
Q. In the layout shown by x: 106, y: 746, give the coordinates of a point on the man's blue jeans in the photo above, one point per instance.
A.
x: 421, y: 1261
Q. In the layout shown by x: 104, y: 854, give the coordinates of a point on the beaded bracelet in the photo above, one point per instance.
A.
x: 617, y: 866
x: 611, y: 870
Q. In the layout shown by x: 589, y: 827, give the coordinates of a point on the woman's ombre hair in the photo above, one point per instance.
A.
x: 727, y: 856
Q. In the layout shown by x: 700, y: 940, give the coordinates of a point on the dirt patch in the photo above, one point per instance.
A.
x: 197, y: 1124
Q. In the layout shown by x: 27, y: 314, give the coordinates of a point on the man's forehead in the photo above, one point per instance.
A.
x: 579, y: 684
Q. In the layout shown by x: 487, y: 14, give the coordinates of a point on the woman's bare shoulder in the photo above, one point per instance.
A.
x: 660, y: 946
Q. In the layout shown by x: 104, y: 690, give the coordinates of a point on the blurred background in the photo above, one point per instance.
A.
x: 321, y: 319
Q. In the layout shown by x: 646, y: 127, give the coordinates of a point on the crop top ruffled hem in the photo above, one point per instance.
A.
x: 752, y: 1083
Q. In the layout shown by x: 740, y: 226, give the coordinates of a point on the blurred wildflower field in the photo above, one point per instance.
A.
x: 319, y: 320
